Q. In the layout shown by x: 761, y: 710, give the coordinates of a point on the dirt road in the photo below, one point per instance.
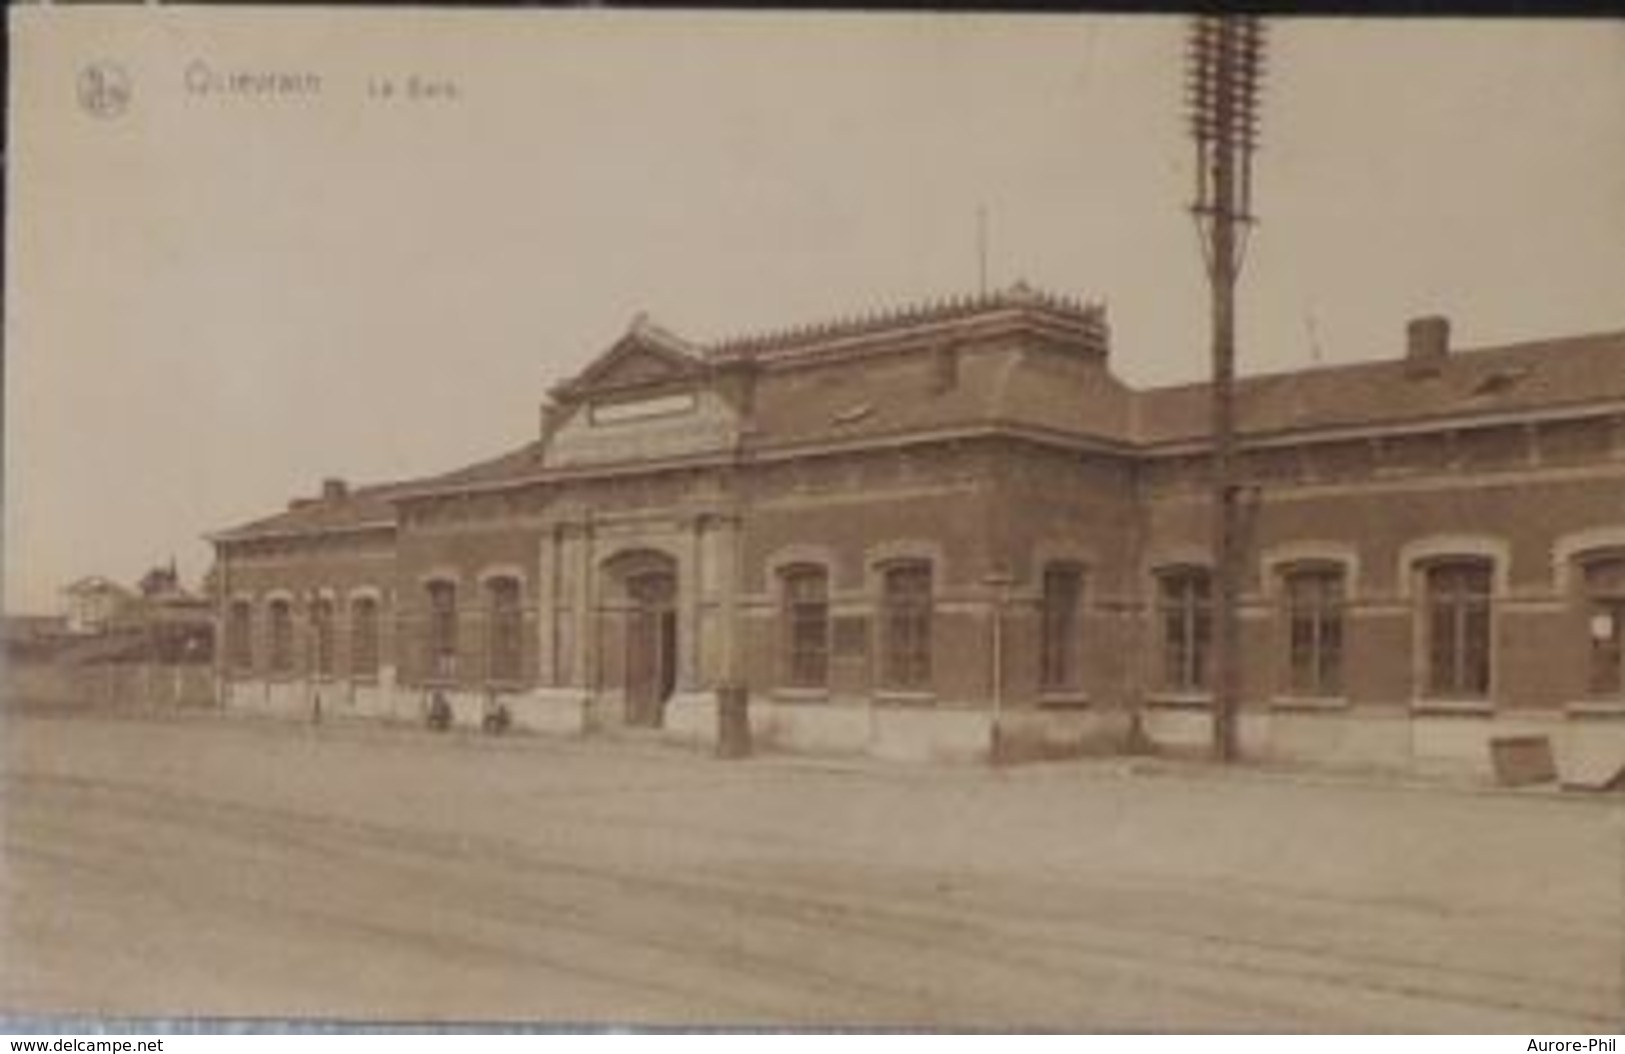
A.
x: 212, y: 867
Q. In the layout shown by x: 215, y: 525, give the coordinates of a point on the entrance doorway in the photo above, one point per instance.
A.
x: 651, y: 646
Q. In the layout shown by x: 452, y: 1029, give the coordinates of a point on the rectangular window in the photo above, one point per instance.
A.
x: 806, y: 618
x: 1607, y: 631
x: 281, y: 637
x: 906, y: 606
x: 1314, y: 616
x: 1605, y: 626
x: 1186, y: 613
x: 442, y: 636
x: 1458, y: 629
x: 321, y: 633
x: 1058, y: 646
x: 364, y: 638
x: 507, y: 628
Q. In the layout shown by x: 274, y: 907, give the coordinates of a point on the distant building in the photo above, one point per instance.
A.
x: 91, y: 603
x: 115, y: 646
x: 159, y: 620
x: 893, y: 529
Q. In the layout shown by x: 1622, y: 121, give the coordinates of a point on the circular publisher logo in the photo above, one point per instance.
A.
x: 104, y: 89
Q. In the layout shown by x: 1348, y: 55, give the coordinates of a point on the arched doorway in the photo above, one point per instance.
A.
x: 647, y: 587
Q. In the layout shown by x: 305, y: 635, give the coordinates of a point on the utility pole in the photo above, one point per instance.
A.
x: 1225, y: 66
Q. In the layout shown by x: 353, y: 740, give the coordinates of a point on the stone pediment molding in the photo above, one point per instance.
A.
x: 645, y: 357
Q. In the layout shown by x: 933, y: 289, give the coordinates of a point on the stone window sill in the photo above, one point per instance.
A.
x: 898, y: 698
x: 1060, y: 699
x: 1314, y: 703
x: 1181, y: 700
x: 1595, y: 708
x: 799, y: 695
x: 1454, y: 707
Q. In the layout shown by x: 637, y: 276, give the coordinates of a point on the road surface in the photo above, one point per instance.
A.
x: 209, y: 866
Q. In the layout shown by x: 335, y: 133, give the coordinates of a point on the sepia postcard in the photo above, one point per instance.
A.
x: 927, y: 521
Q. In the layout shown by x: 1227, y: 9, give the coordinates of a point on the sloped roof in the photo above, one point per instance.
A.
x: 896, y: 397
x: 360, y: 507
x: 834, y: 334
x: 812, y: 389
x: 524, y: 462
x: 96, y: 584
x: 1513, y: 378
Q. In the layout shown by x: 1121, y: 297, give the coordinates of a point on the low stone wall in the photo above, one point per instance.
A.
x: 1032, y: 734
x: 907, y: 733
x: 815, y: 727
x: 1588, y: 747
x: 1394, y: 737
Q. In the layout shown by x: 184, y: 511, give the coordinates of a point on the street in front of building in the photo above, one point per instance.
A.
x: 211, y: 866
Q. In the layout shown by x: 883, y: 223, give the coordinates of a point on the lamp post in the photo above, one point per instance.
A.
x: 1226, y: 58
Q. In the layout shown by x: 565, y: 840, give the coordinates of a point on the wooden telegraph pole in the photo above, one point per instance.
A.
x: 1225, y: 65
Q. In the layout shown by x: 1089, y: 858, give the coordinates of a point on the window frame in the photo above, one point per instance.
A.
x: 907, y: 616
x: 1192, y: 605
x: 1604, y: 600
x: 1470, y: 618
x: 806, y: 627
x: 1326, y: 618
x: 279, y: 658
x: 240, y: 636
x: 323, y: 637
x: 441, y: 630
x: 365, y: 638
x: 504, y: 629
x: 1060, y: 632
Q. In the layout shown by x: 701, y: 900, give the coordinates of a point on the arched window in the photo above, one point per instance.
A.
x: 1605, y: 625
x: 505, y: 625
x: 1312, y: 597
x: 806, y: 622
x: 321, y: 636
x: 281, y: 616
x: 441, y: 640
x: 1185, y: 610
x: 364, y: 637
x: 1058, y: 646
x: 1457, y: 593
x: 906, y: 609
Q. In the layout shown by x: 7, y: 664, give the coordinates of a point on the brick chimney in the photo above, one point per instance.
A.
x: 1427, y: 345
x: 334, y: 489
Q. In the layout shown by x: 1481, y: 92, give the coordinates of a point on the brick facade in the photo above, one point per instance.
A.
x: 900, y: 532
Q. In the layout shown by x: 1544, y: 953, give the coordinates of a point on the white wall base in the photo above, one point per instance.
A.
x: 550, y: 711
x: 931, y: 734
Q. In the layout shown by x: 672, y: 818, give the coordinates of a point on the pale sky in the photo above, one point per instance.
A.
x: 214, y: 301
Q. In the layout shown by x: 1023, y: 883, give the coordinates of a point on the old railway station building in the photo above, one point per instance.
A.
x: 900, y: 532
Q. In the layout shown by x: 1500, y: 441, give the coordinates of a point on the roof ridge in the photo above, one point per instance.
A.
x: 1091, y: 313
x: 1533, y: 346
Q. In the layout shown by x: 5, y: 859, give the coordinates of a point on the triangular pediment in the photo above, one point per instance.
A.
x: 645, y: 357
